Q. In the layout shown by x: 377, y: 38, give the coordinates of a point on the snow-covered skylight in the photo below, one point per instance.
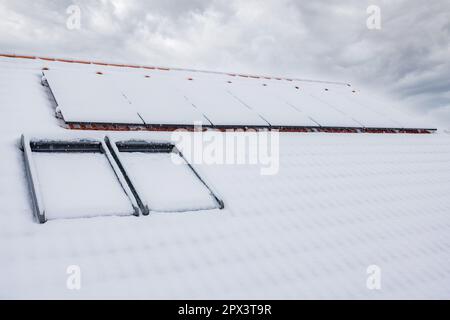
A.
x: 162, y: 180
x: 79, y: 185
x: 75, y: 180
x: 90, y: 178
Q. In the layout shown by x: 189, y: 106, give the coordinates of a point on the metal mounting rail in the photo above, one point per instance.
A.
x: 89, y: 126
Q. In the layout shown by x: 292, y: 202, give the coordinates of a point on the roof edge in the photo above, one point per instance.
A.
x: 134, y: 66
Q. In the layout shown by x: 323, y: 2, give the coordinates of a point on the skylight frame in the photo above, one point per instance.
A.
x: 142, y: 146
x: 30, y: 146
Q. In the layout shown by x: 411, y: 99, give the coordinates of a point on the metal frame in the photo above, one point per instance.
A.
x: 116, y: 147
x: 59, y: 146
x: 94, y: 126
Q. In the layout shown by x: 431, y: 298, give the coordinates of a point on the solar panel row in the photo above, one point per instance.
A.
x: 84, y: 97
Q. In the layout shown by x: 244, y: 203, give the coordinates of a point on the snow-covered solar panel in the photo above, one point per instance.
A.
x: 339, y: 97
x: 158, y: 101
x: 218, y: 105
x: 88, y: 97
x: 403, y: 119
x: 174, y: 99
x: 272, y: 108
x: 322, y: 113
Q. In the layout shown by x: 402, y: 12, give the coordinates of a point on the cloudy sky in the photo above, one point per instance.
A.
x: 408, y: 57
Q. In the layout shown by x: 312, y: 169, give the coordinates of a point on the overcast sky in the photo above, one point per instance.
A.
x: 409, y: 57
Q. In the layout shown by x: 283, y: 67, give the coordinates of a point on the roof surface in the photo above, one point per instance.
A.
x: 339, y: 204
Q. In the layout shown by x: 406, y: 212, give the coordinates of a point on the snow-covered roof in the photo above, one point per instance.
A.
x: 341, y: 202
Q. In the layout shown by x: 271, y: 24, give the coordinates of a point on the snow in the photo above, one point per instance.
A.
x: 340, y: 98
x: 158, y: 102
x: 392, y: 110
x: 321, y: 112
x: 218, y: 105
x: 273, y: 109
x: 76, y: 185
x: 165, y: 185
x: 31, y: 173
x: 340, y: 203
x: 184, y: 98
x: 89, y: 97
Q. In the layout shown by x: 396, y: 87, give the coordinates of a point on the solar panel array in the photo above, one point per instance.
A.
x: 159, y: 100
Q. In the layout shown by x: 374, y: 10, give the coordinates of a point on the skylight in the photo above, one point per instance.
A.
x: 161, y: 179
x: 75, y: 180
x: 92, y: 178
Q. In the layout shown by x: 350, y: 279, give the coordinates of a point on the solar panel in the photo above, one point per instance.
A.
x: 340, y: 98
x: 170, y: 100
x: 158, y: 101
x: 322, y: 113
x: 388, y: 108
x: 90, y: 98
x: 272, y: 108
x: 218, y: 105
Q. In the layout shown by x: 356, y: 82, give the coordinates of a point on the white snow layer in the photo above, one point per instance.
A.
x: 165, y: 185
x: 173, y: 98
x: 77, y: 185
x: 339, y: 204
x: 91, y: 97
x: 158, y: 102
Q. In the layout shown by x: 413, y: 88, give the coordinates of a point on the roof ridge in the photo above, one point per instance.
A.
x: 135, y: 66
